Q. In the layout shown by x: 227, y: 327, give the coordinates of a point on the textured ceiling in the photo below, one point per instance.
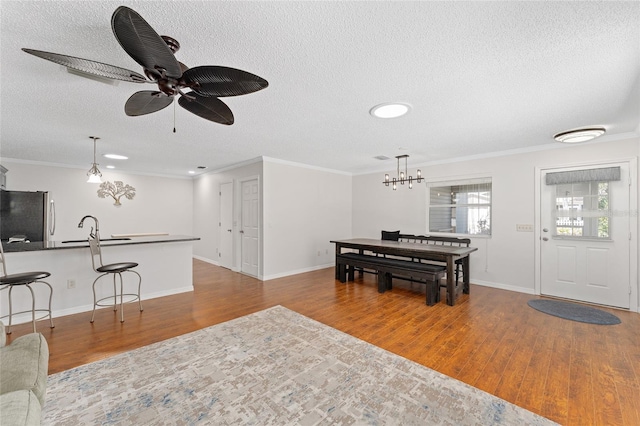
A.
x: 481, y: 77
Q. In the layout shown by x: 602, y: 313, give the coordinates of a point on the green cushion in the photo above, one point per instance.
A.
x: 20, y: 408
x: 24, y: 365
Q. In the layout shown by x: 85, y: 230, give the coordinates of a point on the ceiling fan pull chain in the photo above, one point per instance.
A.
x: 174, y: 117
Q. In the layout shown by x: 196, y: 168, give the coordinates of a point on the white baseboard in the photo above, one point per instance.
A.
x: 297, y: 271
x: 504, y: 286
x: 206, y: 259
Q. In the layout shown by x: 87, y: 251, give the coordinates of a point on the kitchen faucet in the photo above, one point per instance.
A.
x: 91, y: 234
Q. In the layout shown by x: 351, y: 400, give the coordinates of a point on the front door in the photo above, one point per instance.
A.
x: 250, y: 232
x: 585, y: 234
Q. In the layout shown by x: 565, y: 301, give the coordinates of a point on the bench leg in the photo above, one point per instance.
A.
x: 342, y: 272
x: 433, y: 293
x: 389, y: 280
x: 351, y: 273
x: 382, y: 282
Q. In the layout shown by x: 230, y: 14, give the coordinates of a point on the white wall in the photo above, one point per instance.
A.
x: 506, y: 259
x: 160, y: 204
x: 303, y: 209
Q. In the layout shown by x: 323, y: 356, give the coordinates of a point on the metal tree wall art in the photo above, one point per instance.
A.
x: 116, y: 190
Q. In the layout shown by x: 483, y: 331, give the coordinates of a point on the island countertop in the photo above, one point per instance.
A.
x: 71, y: 244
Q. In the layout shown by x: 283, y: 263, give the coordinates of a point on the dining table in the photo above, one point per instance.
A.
x: 447, y: 254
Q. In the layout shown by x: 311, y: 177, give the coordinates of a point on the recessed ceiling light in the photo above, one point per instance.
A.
x: 111, y: 167
x: 191, y: 172
x: 115, y: 157
x: 390, y: 110
x: 579, y: 135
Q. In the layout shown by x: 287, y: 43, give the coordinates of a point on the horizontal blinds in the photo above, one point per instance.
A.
x: 476, y: 181
x: 608, y: 174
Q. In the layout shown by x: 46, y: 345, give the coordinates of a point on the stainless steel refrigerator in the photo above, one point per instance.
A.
x: 26, y: 216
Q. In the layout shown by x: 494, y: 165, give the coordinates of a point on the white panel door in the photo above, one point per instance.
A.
x: 250, y: 227
x: 225, y: 253
x: 585, y: 237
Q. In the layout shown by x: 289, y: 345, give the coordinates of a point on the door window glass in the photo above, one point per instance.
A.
x: 582, y: 210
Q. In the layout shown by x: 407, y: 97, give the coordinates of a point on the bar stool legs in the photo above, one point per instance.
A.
x: 33, y: 305
x: 113, y: 300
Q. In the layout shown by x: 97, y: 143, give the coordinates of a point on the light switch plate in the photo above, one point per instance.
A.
x: 524, y: 228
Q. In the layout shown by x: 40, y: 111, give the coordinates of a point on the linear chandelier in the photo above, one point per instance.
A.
x: 402, y: 177
x: 94, y: 173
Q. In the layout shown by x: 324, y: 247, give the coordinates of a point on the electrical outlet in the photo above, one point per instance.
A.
x: 524, y: 228
x: 71, y: 283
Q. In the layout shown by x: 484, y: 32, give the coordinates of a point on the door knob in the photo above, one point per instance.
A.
x: 242, y: 232
x: 545, y: 239
x: 545, y: 230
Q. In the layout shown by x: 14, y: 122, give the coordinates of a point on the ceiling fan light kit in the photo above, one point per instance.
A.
x: 402, y: 176
x: 155, y: 54
x: 579, y: 135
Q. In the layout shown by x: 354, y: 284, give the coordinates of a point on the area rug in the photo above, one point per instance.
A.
x: 574, y: 311
x: 274, y: 367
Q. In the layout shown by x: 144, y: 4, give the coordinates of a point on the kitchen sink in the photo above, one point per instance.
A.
x: 101, y: 240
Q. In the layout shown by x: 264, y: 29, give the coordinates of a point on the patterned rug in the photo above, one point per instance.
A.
x: 274, y: 367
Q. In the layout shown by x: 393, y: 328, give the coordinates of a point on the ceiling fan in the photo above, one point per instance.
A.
x: 155, y: 54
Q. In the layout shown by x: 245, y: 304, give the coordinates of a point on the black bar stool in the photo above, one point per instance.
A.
x: 117, y: 269
x: 9, y: 281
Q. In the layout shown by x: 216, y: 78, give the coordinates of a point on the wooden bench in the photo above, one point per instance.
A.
x: 388, y: 268
x: 443, y: 241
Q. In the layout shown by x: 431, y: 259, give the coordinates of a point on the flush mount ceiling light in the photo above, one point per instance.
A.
x: 94, y: 173
x: 390, y: 110
x: 579, y: 135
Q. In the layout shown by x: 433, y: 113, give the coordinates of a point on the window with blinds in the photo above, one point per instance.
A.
x: 460, y: 206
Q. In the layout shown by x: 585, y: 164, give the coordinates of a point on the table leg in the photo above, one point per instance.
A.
x: 465, y: 273
x: 451, y: 287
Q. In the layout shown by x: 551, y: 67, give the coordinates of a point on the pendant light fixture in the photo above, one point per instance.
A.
x: 402, y: 176
x: 94, y: 173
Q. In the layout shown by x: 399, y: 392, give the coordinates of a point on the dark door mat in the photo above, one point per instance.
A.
x: 574, y: 312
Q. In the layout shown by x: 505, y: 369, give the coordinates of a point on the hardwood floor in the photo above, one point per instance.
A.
x: 569, y: 372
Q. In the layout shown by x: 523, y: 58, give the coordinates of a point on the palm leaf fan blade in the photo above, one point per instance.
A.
x: 142, y: 42
x: 210, y: 80
x: 146, y: 102
x: 89, y: 67
x: 209, y: 108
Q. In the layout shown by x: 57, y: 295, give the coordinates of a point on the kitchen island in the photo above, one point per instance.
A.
x: 165, y: 264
